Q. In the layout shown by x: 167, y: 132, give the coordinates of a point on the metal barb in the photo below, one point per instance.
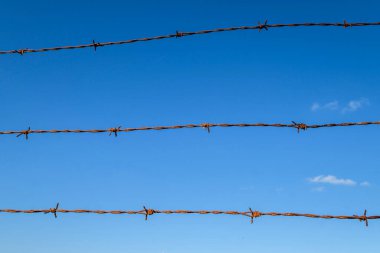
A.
x: 21, y: 51
x: 114, y: 130
x: 53, y: 210
x: 26, y: 132
x: 178, y: 34
x: 250, y: 209
x: 300, y: 126
x: 206, y: 126
x: 95, y: 44
x: 347, y: 24
x: 148, y: 212
x: 263, y: 26
x: 254, y: 214
x: 364, y: 218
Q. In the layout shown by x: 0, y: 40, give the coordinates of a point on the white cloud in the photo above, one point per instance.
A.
x: 333, y: 105
x: 365, y: 184
x: 355, y: 105
x: 318, y: 189
x: 315, y: 107
x: 330, y: 179
x: 351, y: 106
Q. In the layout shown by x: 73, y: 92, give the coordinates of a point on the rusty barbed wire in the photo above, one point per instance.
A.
x: 207, y: 126
x: 178, y: 34
x: 146, y: 212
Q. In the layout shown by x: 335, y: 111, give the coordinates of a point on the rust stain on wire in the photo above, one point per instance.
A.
x: 146, y: 212
x: 115, y: 130
x: 179, y: 34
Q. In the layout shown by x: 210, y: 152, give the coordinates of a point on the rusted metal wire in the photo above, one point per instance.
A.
x: 146, y: 212
x: 178, y: 34
x: 207, y: 126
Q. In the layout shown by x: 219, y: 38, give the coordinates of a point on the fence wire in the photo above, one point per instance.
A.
x: 115, y: 130
x: 146, y: 212
x: 259, y: 27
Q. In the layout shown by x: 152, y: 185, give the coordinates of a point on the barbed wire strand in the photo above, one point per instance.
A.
x: 178, y: 34
x: 146, y: 212
x: 207, y: 126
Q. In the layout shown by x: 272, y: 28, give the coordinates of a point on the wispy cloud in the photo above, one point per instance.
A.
x: 355, y: 105
x: 318, y: 189
x: 330, y: 179
x: 333, y: 180
x: 333, y: 105
x: 315, y: 107
x: 365, y: 183
x: 351, y: 106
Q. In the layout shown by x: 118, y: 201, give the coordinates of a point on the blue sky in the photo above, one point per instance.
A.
x: 311, y: 75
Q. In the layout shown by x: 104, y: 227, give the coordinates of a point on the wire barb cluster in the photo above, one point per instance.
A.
x: 300, y: 126
x: 207, y: 126
x: 178, y: 34
x: 26, y: 133
x: 146, y: 212
x: 53, y: 210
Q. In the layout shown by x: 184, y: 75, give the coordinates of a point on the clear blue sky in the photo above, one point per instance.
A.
x: 311, y: 75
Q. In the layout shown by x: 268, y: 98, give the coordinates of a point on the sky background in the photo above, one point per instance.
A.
x: 310, y: 75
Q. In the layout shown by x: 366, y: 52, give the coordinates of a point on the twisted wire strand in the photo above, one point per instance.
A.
x: 148, y: 212
x: 259, y: 27
x: 208, y: 126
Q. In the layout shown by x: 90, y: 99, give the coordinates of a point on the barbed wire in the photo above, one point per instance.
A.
x: 146, y: 212
x: 115, y: 130
x: 178, y: 34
